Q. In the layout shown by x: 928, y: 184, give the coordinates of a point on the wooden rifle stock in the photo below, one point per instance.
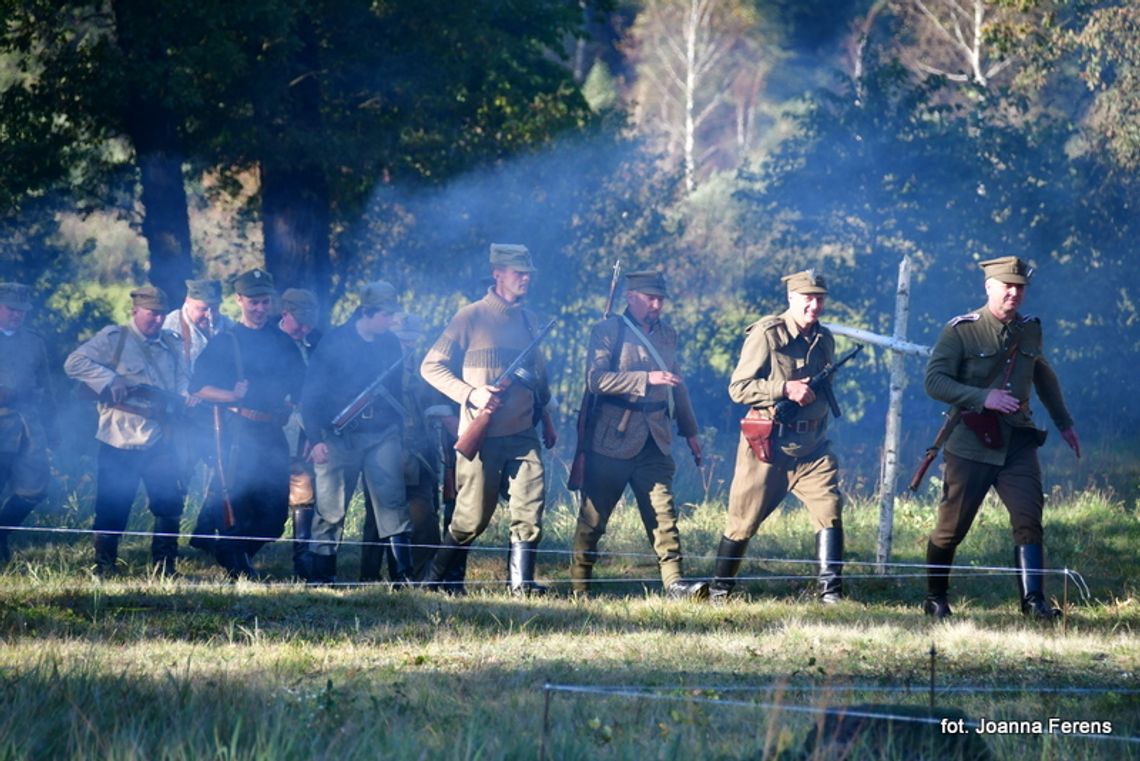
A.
x: 229, y: 520
x: 471, y: 439
x: 931, y: 452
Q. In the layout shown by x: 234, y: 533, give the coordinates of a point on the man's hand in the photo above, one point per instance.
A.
x: 549, y: 434
x: 1000, y: 400
x: 1074, y: 441
x: 319, y: 453
x: 117, y: 389
x: 663, y: 378
x: 485, y: 398
x: 192, y: 400
x: 241, y: 388
x: 695, y: 448
x: 799, y: 392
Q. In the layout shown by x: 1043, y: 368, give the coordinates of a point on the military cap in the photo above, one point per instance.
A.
x: 805, y: 282
x: 209, y: 291
x: 16, y: 296
x: 512, y: 256
x: 256, y: 282
x: 649, y: 282
x: 379, y: 295
x: 149, y: 297
x: 301, y: 304
x: 1007, y: 269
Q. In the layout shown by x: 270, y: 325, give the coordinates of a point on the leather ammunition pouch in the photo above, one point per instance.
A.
x: 758, y: 432
x: 986, y: 425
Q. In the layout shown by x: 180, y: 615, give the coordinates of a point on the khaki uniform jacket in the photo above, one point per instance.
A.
x: 478, y: 344
x: 967, y: 352
x: 192, y: 341
x: 24, y: 380
x: 629, y: 382
x: 157, y: 363
x: 776, y: 351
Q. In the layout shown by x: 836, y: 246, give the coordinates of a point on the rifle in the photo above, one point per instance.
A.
x: 786, y: 410
x: 948, y: 426
x: 471, y: 440
x: 228, y: 517
x: 586, y: 418
x: 360, y: 403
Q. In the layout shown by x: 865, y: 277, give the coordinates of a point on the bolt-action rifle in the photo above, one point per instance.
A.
x: 471, y: 440
x: 587, y: 418
x: 373, y: 391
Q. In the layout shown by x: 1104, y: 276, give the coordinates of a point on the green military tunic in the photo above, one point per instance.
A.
x: 617, y: 370
x: 775, y: 351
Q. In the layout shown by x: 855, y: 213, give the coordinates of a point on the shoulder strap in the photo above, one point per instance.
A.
x: 123, y: 329
x: 640, y: 335
x: 237, y: 356
x: 186, y: 339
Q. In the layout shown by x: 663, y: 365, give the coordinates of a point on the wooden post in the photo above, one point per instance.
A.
x: 890, y: 466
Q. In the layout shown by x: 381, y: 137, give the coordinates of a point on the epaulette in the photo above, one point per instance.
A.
x: 766, y: 323
x: 969, y: 317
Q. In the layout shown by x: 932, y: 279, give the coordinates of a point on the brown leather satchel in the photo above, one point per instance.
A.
x: 757, y: 432
x: 986, y: 426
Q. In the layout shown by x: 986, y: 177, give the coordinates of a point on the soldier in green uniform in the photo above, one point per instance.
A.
x: 984, y: 364
x: 780, y: 353
x: 631, y: 364
x: 478, y: 344
x: 137, y: 372
x: 25, y: 406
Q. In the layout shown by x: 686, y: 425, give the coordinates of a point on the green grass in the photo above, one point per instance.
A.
x: 144, y: 668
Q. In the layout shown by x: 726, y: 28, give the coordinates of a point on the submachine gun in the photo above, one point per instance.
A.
x: 471, y: 440
x: 373, y: 391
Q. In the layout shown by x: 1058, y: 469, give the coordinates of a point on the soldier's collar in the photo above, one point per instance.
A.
x: 794, y: 329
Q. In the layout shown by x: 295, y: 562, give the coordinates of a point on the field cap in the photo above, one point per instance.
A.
x: 16, y: 296
x: 1007, y: 269
x: 300, y: 303
x: 805, y: 282
x: 256, y: 282
x: 513, y: 256
x: 649, y: 282
x: 149, y: 297
x: 209, y: 291
x: 379, y: 295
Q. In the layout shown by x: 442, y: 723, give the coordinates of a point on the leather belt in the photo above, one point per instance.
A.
x: 800, y: 426
x: 635, y: 406
x: 256, y: 416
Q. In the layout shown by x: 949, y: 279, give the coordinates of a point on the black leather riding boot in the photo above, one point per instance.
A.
x: 440, y: 573
x: 13, y: 514
x: 164, y: 545
x: 829, y: 551
x: 1030, y: 562
x: 937, y: 603
x: 400, y: 559
x: 521, y: 567
x: 106, y: 554
x: 302, y: 532
x: 729, y: 556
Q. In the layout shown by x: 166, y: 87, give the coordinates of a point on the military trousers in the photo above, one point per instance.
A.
x: 515, y: 460
x: 759, y: 487
x: 1017, y: 482
x: 118, y: 473
x: 379, y: 458
x: 23, y: 460
x: 649, y: 474
x: 257, y: 477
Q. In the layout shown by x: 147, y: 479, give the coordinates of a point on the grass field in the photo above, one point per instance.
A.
x: 144, y: 668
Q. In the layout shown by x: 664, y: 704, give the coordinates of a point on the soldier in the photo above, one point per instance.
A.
x: 984, y: 364
x: 299, y: 315
x: 255, y: 372
x: 426, y: 410
x: 198, y: 320
x: 348, y: 360
x: 780, y: 354
x: 631, y: 365
x: 26, y: 410
x: 478, y: 344
x: 137, y: 372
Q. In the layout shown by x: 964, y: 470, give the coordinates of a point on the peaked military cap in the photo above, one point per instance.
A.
x: 256, y: 282
x: 209, y: 291
x: 16, y: 296
x: 149, y: 297
x: 513, y: 256
x: 805, y: 282
x: 1007, y: 269
x: 649, y: 282
x: 379, y: 295
x: 301, y: 304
